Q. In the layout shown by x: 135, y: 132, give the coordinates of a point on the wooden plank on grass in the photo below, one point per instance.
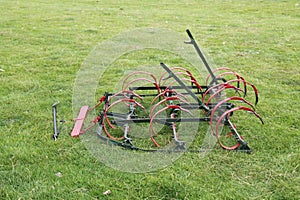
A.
x: 79, y: 121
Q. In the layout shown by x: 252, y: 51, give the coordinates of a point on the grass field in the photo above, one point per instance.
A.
x: 44, y: 43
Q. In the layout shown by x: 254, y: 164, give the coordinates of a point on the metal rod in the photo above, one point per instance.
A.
x: 236, y: 134
x: 55, y: 128
x: 160, y: 120
x: 185, y: 87
x: 194, y: 43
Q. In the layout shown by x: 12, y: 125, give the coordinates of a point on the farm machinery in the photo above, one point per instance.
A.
x: 152, y: 111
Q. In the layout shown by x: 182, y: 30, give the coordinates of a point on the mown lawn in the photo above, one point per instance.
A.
x: 44, y: 43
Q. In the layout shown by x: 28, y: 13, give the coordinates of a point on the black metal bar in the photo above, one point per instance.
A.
x: 55, y: 127
x: 117, y: 115
x: 191, y: 106
x: 243, y: 143
x: 184, y: 87
x: 194, y: 43
x: 161, y: 120
x: 107, y: 140
x: 164, y: 87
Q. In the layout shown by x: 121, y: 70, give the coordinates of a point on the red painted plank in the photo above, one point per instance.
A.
x: 79, y: 121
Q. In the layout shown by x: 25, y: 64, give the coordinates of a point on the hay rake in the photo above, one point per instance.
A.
x: 169, y: 101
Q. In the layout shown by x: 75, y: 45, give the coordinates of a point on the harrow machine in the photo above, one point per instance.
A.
x: 159, y: 106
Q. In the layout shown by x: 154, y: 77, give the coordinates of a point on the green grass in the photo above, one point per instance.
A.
x: 44, y: 43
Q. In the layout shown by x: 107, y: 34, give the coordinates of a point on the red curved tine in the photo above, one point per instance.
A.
x: 116, y: 102
x: 227, y: 113
x: 231, y: 72
x: 152, y: 131
x: 255, y: 91
x: 214, y: 71
x: 142, y: 79
x: 173, y: 98
x: 166, y: 92
x: 226, y: 86
x: 132, y: 93
x: 162, y: 77
x: 138, y: 72
x: 163, y: 80
x: 239, y: 77
x: 220, y: 75
x: 245, y: 88
x: 215, y: 88
x: 154, y: 81
x: 183, y: 72
x: 211, y: 90
x: 108, y: 121
x: 234, y: 98
x: 185, y: 79
x: 124, y: 94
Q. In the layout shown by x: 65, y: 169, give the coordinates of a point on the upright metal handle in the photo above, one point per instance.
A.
x: 194, y: 43
x: 55, y: 128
